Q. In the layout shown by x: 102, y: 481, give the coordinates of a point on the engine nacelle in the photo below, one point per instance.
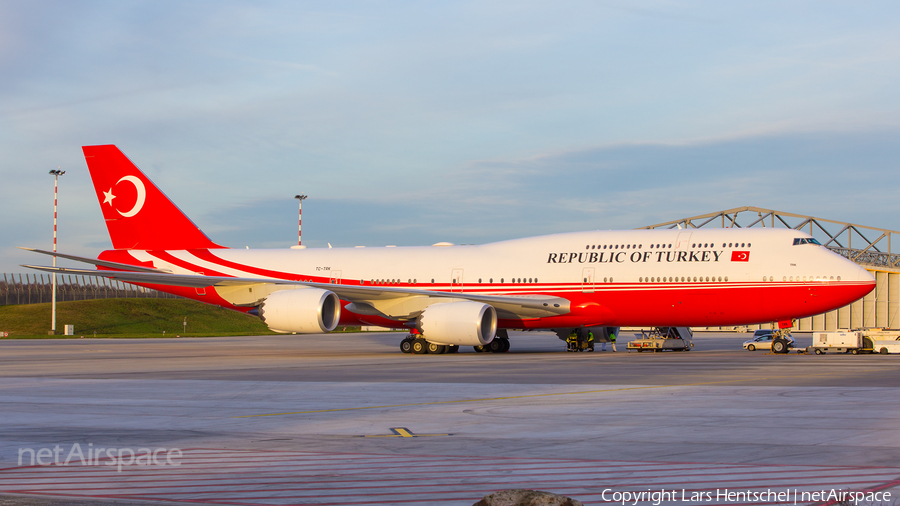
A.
x: 461, y: 323
x: 302, y: 310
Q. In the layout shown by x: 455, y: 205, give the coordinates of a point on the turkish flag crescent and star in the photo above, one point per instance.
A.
x: 740, y: 256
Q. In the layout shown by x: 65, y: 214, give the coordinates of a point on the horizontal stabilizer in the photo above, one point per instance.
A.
x: 94, y: 261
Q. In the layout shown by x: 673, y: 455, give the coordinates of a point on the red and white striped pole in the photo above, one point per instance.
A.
x: 301, y: 198
x: 56, y: 174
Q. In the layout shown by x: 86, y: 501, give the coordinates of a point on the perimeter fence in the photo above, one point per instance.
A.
x: 38, y: 288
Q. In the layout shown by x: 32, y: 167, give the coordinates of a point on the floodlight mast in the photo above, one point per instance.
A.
x: 55, y: 173
x: 301, y: 198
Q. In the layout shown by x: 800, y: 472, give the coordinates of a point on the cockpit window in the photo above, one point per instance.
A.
x: 801, y: 240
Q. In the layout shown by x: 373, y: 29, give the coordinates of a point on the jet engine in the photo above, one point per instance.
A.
x: 462, y: 323
x: 302, y: 310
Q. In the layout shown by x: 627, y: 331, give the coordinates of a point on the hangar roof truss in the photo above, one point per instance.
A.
x: 869, y: 246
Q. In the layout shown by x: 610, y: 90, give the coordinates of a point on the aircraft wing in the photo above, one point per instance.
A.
x: 391, y: 302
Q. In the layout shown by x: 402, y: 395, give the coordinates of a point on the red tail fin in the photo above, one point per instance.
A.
x: 138, y: 215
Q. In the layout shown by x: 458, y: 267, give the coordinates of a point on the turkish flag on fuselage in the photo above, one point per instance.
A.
x: 740, y: 256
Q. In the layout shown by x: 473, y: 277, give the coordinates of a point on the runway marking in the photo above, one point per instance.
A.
x: 404, y: 432
x: 528, y: 396
x: 319, y: 478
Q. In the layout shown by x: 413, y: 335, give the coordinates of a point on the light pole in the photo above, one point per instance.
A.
x: 301, y: 198
x: 55, y: 173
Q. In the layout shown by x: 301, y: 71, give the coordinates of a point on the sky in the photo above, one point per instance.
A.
x: 410, y: 123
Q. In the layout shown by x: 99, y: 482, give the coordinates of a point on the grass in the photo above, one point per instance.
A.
x: 129, y: 318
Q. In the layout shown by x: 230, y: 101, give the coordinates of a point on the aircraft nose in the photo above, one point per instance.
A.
x: 864, y: 275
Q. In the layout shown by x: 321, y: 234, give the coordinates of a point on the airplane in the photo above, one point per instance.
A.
x: 448, y: 296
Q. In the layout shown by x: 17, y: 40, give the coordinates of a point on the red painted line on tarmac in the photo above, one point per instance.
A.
x: 539, y: 477
x: 198, y: 479
x: 622, y: 463
x: 158, y: 471
x: 548, y: 486
x: 890, y: 484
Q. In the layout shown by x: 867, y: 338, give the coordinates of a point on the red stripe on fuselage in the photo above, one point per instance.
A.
x: 209, y: 257
x: 623, y: 304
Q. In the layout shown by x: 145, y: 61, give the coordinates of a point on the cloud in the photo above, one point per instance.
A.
x: 620, y: 186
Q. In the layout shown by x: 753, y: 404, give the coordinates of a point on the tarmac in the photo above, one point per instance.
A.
x: 348, y: 419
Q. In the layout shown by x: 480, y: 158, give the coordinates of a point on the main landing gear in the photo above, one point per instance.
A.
x: 498, y: 345
x: 418, y: 345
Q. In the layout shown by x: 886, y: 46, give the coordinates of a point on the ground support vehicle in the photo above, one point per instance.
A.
x: 663, y: 338
x: 883, y: 341
x: 885, y: 346
x: 840, y: 342
x: 857, y: 341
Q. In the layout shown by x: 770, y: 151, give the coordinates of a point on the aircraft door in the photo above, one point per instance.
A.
x: 335, y: 277
x: 587, y: 280
x: 684, y: 240
x: 456, y: 280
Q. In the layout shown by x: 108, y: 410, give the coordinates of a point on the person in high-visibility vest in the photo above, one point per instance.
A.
x: 612, y: 339
x: 572, y: 341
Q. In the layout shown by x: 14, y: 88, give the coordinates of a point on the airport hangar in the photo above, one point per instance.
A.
x: 869, y: 247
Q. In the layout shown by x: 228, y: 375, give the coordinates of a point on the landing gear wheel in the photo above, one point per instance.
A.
x: 779, y: 346
x: 453, y: 349
x: 750, y: 347
x: 505, y: 343
x: 420, y: 346
x: 495, y: 346
x: 480, y: 349
x: 436, y: 349
x: 406, y: 345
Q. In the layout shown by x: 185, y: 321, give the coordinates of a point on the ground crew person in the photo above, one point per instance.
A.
x: 590, y: 340
x: 572, y: 341
x: 612, y: 339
